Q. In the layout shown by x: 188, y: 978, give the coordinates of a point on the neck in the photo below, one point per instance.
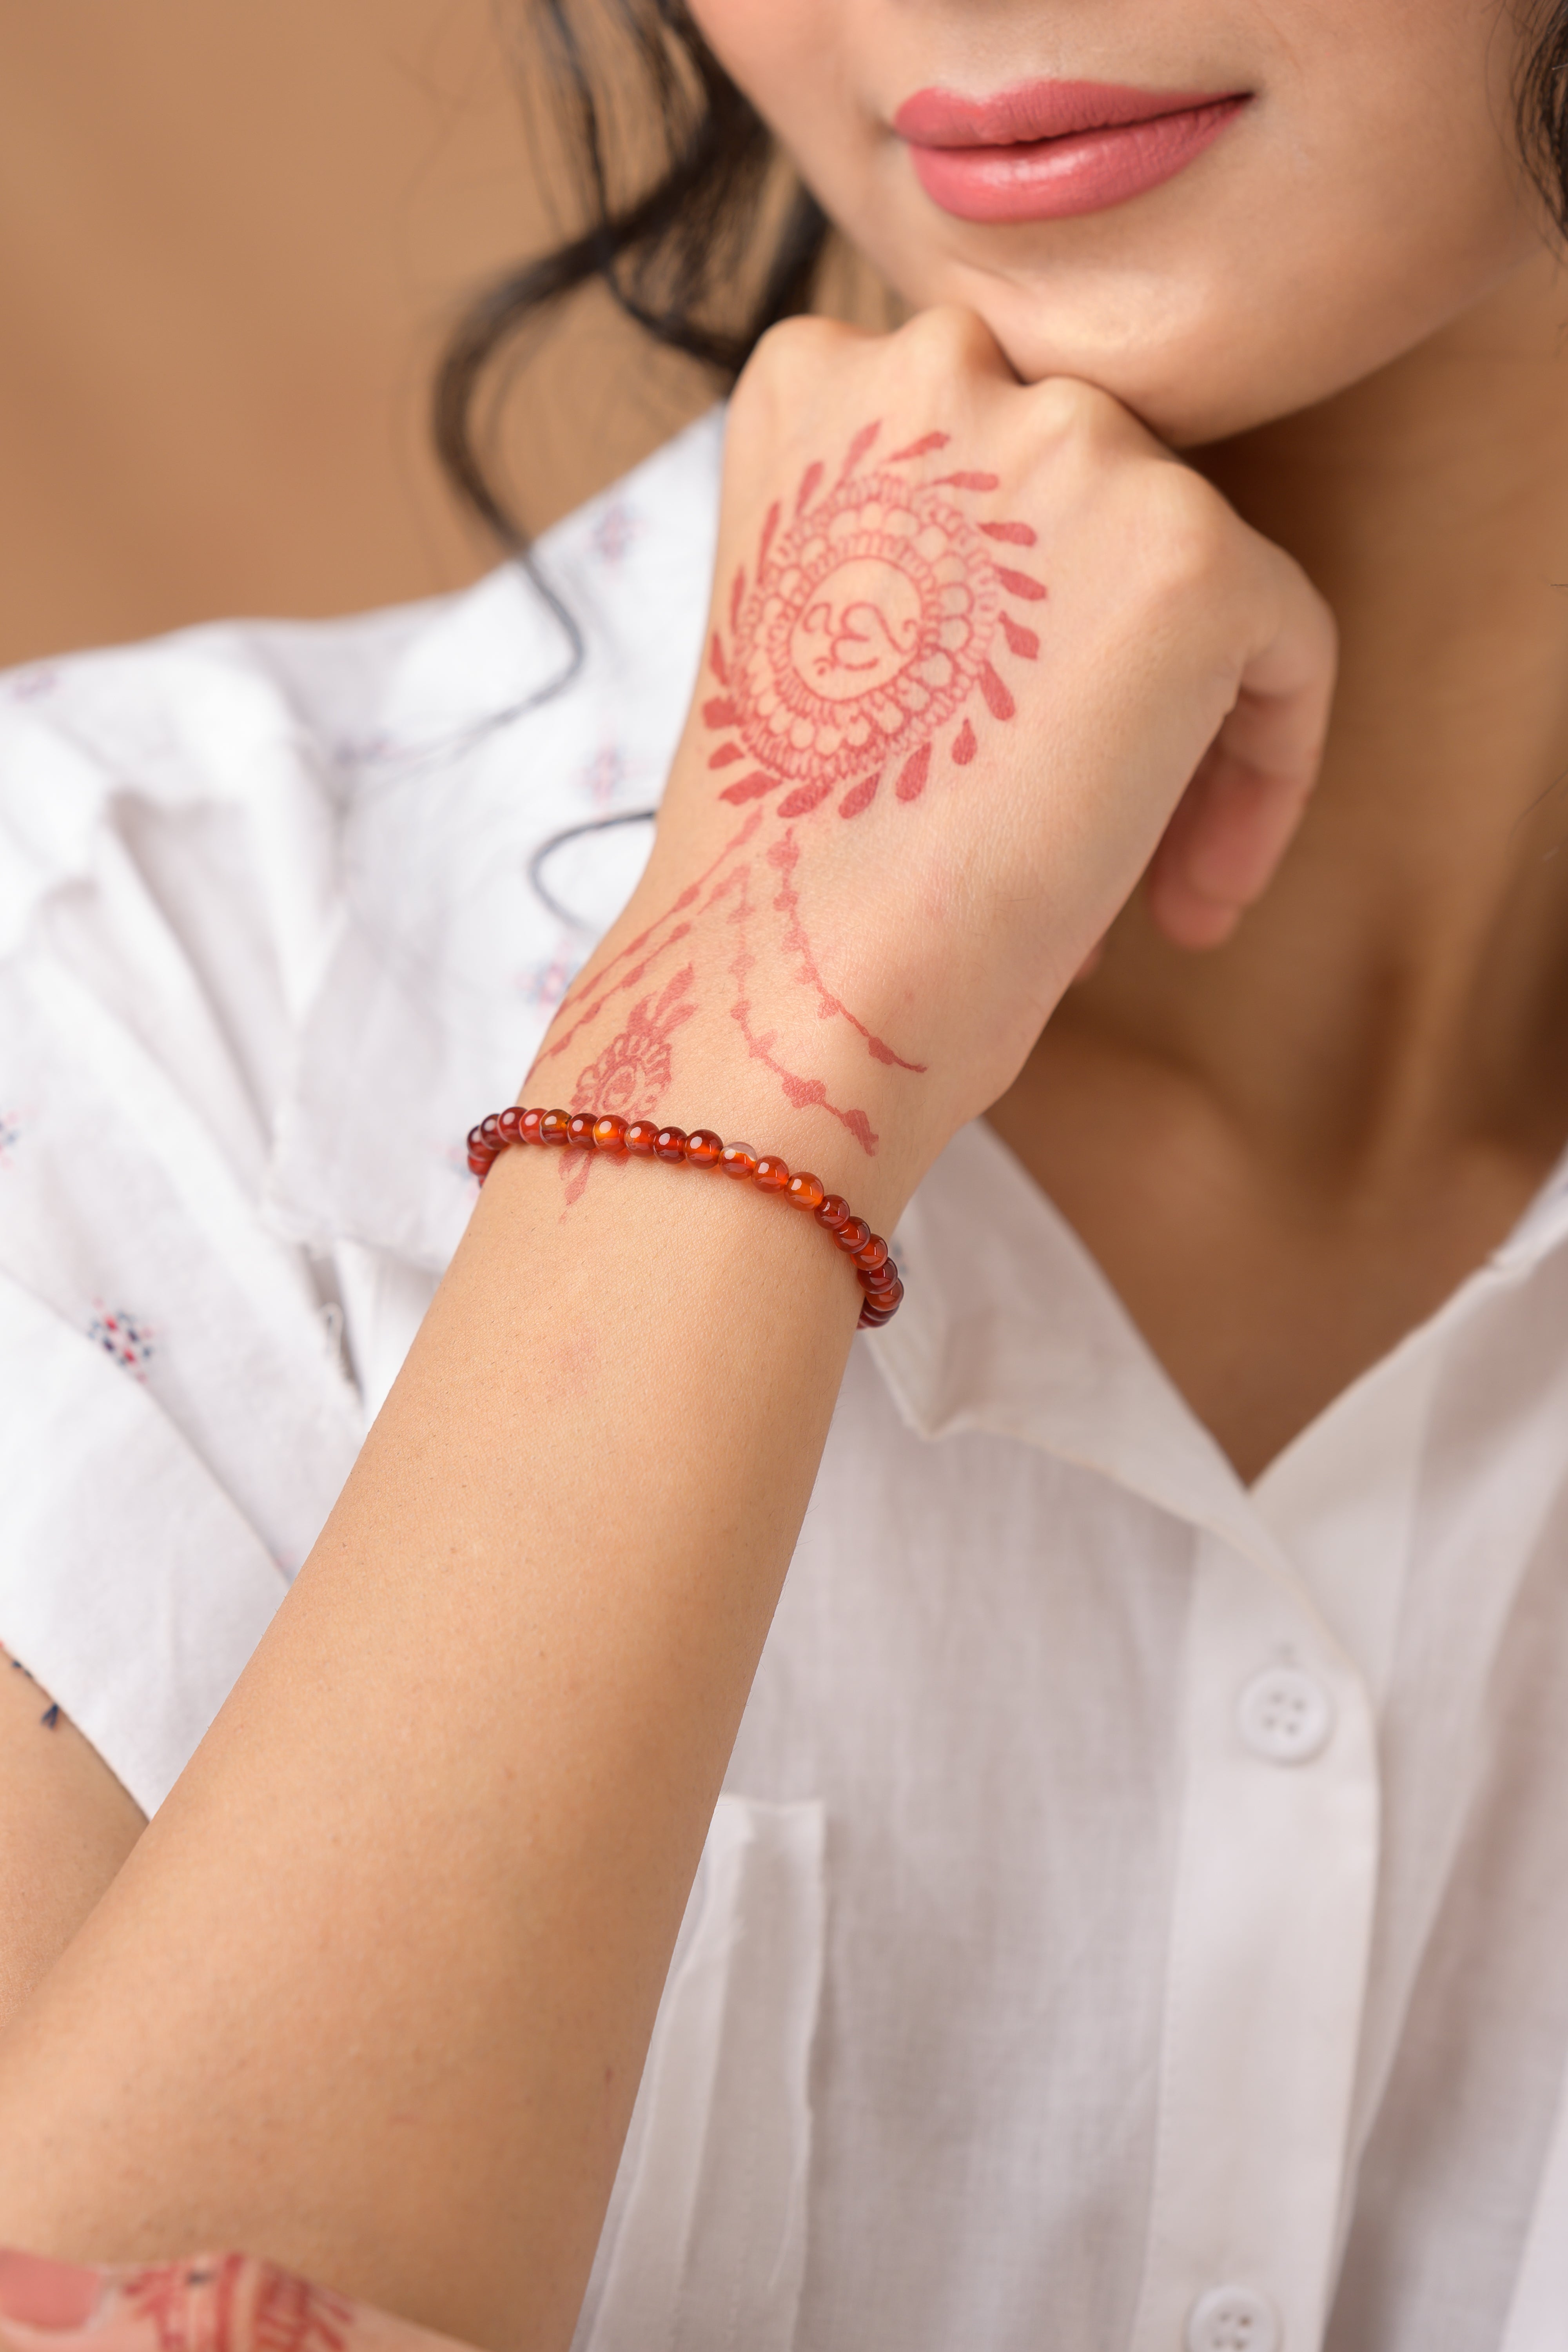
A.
x: 1406, y: 980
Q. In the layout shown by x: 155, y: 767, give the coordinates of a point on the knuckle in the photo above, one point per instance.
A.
x: 1071, y: 405
x: 1190, y: 536
x: 792, y: 346
x: 948, y: 336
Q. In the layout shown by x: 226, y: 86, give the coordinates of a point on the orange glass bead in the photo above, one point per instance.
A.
x: 738, y: 1160
x: 669, y: 1143
x: 554, y: 1126
x: 528, y: 1126
x: 874, y: 1254
x: 853, y: 1234
x: 833, y: 1212
x: 772, y: 1174
x: 642, y: 1135
x: 609, y: 1133
x: 804, y: 1190
x: 703, y: 1148
x: 580, y: 1128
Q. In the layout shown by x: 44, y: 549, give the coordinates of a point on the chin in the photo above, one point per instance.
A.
x: 1193, y: 371
x: 1220, y: 313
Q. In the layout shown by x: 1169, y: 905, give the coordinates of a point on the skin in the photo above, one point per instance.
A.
x: 458, y: 1797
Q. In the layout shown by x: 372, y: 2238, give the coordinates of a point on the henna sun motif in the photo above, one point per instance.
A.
x: 870, y: 621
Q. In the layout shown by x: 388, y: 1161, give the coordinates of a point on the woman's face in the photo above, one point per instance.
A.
x: 1354, y: 184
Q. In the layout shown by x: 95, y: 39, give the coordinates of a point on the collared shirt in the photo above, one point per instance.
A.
x: 1137, y: 1916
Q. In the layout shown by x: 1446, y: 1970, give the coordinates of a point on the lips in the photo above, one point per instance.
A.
x: 1047, y: 149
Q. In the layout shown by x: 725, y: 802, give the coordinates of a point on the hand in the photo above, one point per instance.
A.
x: 980, y: 655
x: 208, y: 2303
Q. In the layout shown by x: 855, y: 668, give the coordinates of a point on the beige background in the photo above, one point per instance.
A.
x: 230, y: 233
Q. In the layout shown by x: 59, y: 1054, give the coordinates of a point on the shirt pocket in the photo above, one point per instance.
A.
x: 704, y: 2249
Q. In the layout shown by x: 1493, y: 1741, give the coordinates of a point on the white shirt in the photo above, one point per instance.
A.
x: 1138, y: 1916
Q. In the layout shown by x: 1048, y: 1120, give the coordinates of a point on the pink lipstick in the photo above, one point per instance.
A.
x: 1047, y: 149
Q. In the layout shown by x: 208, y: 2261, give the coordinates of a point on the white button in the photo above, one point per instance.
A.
x: 1285, y: 1714
x: 1232, y: 2319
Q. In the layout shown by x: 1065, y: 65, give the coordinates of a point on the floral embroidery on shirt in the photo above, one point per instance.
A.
x: 604, y: 775
x: 359, y: 750
x: 123, y: 1336
x: 546, y: 983
x: 617, y: 532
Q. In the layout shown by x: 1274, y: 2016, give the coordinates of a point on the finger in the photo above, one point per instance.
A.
x: 1236, y: 818
x: 1221, y: 849
x: 224, y: 2303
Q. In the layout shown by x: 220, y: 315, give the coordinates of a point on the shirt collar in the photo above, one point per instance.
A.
x: 1009, y: 1326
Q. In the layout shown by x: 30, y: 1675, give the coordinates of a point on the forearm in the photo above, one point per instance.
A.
x: 372, y: 1993
x: 423, y: 1876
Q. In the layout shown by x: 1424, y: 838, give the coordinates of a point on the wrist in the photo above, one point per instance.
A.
x: 688, y: 1014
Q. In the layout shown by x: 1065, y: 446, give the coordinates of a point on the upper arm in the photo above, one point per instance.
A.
x: 66, y: 1826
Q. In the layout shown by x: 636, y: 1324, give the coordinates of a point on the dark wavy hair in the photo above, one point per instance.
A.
x: 719, y: 241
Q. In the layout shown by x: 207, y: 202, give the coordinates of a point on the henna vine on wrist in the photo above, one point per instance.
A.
x: 644, y: 1139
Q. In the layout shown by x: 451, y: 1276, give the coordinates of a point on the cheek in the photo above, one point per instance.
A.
x: 787, y: 54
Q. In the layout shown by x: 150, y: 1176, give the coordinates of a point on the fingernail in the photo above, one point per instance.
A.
x: 38, y: 2292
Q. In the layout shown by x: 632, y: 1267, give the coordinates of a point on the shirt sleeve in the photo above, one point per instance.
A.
x: 175, y: 1416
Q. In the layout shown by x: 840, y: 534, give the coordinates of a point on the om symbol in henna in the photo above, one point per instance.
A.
x: 869, y: 622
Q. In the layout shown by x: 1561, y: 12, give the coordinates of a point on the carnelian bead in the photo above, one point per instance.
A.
x: 876, y: 1278
x: 670, y: 1144
x: 873, y: 1254
x: 506, y: 1122
x: 833, y: 1212
x: 477, y: 1144
x: 528, y: 1126
x: 642, y: 1135
x: 805, y: 1191
x: 738, y: 1160
x: 490, y: 1134
x: 853, y: 1234
x: 703, y: 1148
x: 609, y: 1133
x: 580, y: 1128
x: 554, y: 1126
x: 772, y: 1174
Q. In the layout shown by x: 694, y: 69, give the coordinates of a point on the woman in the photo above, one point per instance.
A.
x: 1132, y: 1914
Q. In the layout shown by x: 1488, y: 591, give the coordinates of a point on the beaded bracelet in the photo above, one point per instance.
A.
x: 867, y: 1252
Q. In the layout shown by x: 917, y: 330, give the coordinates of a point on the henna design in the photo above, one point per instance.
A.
x: 634, y: 1068
x: 867, y: 625
x: 632, y: 1073
x: 872, y: 618
x: 232, y: 2304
